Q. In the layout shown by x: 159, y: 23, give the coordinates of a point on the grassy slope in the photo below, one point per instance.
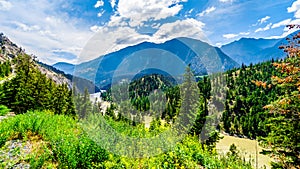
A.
x: 68, y: 147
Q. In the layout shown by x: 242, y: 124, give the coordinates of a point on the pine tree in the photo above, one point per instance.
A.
x: 189, y: 101
x: 32, y: 90
x: 284, y: 123
x: 83, y: 104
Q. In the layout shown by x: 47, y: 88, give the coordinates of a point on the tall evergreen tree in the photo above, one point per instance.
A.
x: 32, y: 90
x: 189, y: 101
x: 284, y: 123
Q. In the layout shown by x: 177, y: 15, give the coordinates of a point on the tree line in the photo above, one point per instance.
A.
x: 5, y: 68
x: 32, y: 90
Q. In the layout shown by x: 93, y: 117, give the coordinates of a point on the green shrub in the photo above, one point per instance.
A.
x: 4, y: 110
x: 69, y: 146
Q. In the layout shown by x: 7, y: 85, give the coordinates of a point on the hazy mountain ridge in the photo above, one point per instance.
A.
x: 190, y: 51
x: 67, y: 68
x: 250, y: 50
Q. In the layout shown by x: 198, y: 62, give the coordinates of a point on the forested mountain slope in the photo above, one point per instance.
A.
x: 46, y: 117
x: 257, y: 101
x: 9, y: 51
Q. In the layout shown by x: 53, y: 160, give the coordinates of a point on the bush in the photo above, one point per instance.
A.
x: 69, y: 146
x: 4, y: 110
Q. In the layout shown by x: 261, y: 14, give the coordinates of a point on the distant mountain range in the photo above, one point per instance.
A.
x: 192, y: 52
x: 250, y: 50
x: 201, y: 57
x: 67, y: 68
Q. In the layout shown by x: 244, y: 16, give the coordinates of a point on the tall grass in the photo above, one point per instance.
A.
x: 69, y: 146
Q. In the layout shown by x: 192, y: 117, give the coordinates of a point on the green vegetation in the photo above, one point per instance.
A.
x: 244, y: 113
x: 3, y: 110
x: 62, y: 140
x: 261, y: 102
x: 285, y: 109
x: 69, y: 147
x: 66, y: 145
x: 32, y: 90
x: 5, y: 69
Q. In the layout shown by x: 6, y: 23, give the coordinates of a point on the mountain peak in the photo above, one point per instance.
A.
x: 188, y: 50
x: 255, y: 50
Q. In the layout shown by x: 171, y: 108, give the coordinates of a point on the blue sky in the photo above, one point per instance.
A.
x: 58, y: 30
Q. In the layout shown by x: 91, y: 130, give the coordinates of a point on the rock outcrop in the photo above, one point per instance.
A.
x: 9, y: 50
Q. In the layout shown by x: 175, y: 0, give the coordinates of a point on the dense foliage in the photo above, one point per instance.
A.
x: 244, y: 113
x: 285, y: 109
x: 69, y: 147
x: 67, y: 144
x: 275, y: 84
x: 246, y: 93
x: 32, y: 90
x: 5, y: 69
x: 3, y: 110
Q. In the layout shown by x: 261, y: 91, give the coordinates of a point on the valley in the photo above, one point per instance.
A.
x: 82, y: 116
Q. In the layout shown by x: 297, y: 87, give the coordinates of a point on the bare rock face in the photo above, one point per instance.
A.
x: 9, y: 50
x: 57, y: 78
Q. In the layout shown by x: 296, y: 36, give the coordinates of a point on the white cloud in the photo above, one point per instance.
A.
x: 225, y: 1
x: 5, y: 5
x: 99, y: 3
x: 117, y: 21
x: 245, y: 33
x: 113, y: 3
x: 283, y: 35
x: 95, y: 28
x: 137, y: 11
x: 130, y: 16
x: 100, y: 13
x: 230, y: 36
x: 190, y: 11
x: 107, y: 40
x: 264, y: 29
x: 207, y: 11
x: 115, y: 38
x: 25, y: 27
x: 295, y: 6
x: 186, y: 28
x: 263, y: 20
x: 295, y: 21
x: 42, y: 31
x: 53, y: 31
x: 281, y: 23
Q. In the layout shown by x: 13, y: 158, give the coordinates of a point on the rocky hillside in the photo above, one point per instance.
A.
x: 10, y: 50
